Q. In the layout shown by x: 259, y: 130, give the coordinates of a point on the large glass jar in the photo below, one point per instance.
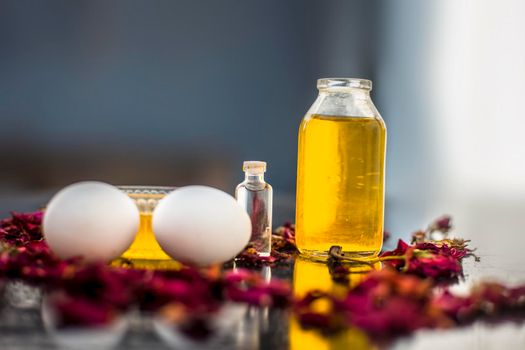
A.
x: 340, y: 175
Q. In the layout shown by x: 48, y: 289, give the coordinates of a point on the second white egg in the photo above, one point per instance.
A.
x: 201, y: 225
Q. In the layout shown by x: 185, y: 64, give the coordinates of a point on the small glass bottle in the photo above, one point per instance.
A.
x: 340, y: 174
x: 255, y: 195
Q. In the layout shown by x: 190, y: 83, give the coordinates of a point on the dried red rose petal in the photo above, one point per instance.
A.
x: 384, y: 304
x: 283, y: 249
x: 428, y: 259
x: 442, y: 224
x: 21, y: 228
x: 80, y: 312
x: 187, y: 287
x: 458, y: 308
x: 250, y: 258
x: 249, y: 287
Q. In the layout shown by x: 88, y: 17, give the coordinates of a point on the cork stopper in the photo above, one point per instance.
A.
x: 254, y: 167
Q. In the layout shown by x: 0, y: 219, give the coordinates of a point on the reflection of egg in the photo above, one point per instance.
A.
x: 201, y: 225
x: 105, y: 336
x: 91, y: 219
x: 220, y: 323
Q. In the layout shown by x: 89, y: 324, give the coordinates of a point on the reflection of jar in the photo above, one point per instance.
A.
x: 145, y: 249
x: 308, y: 276
x: 102, y: 336
x: 340, y: 174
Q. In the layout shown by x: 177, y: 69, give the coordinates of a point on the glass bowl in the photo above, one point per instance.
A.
x: 145, y: 251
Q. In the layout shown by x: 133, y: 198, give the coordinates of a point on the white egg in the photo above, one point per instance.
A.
x: 91, y: 219
x: 201, y: 225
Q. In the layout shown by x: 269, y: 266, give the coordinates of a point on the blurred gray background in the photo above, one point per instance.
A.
x: 181, y: 92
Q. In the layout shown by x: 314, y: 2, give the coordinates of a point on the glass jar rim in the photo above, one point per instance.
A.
x: 355, y: 83
x: 144, y: 191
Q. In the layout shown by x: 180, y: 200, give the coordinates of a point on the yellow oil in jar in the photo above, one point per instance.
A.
x: 340, y: 185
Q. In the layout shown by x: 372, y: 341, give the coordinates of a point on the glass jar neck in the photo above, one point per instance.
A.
x: 343, y: 92
x: 344, y: 88
x: 343, y: 101
x: 253, y: 178
x: 355, y: 83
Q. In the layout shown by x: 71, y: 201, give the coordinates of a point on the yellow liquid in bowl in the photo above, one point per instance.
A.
x: 145, y: 246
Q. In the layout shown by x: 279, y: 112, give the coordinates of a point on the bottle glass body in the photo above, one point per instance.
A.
x: 255, y: 195
x: 340, y: 177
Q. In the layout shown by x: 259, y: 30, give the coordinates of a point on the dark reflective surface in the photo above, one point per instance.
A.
x: 25, y: 323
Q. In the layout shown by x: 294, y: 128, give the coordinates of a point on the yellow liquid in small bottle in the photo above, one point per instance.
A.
x: 340, y: 185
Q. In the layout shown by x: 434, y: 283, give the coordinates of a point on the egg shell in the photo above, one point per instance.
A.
x: 201, y: 225
x: 90, y: 219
